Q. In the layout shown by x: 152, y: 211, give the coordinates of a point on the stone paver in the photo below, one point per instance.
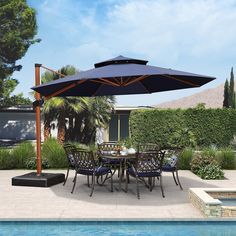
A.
x: 58, y: 203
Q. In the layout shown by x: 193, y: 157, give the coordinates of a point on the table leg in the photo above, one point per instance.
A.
x: 120, y: 177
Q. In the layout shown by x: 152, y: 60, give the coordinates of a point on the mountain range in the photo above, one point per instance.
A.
x: 212, y: 98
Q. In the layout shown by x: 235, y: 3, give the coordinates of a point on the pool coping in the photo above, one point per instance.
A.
x: 209, y: 206
x: 121, y: 220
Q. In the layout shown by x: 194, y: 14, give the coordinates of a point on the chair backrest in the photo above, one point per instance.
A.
x: 172, y: 155
x: 148, y: 147
x: 84, y: 159
x: 70, y: 154
x: 150, y: 161
x: 106, y: 147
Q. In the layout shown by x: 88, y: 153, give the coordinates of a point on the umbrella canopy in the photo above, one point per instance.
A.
x: 121, y: 75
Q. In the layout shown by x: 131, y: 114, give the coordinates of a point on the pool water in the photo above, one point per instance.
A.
x: 118, y: 228
x: 228, y: 201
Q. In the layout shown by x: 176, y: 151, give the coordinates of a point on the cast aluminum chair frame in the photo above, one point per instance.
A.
x: 146, y: 165
x: 69, y: 150
x: 85, y: 164
x: 171, y: 164
x: 106, y: 148
x: 147, y: 147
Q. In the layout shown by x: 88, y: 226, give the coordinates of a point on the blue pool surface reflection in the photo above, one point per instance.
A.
x: 118, y: 228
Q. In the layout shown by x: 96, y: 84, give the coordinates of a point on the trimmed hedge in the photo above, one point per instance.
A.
x: 183, y: 128
x: 211, y: 126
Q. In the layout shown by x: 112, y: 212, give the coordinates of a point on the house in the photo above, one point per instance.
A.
x: 18, y: 123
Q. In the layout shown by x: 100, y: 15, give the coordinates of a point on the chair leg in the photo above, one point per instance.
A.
x: 161, y: 187
x: 150, y: 183
x: 93, y: 183
x: 173, y: 173
x: 177, y: 176
x: 138, y: 194
x: 74, y: 182
x: 88, y: 180
x: 126, y: 181
x: 67, y: 173
x: 111, y: 183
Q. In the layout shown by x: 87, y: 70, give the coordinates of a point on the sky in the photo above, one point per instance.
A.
x: 194, y: 36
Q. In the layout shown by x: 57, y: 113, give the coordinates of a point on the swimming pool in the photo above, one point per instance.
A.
x: 228, y: 201
x: 118, y: 228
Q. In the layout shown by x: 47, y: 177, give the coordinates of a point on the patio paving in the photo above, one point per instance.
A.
x: 58, y: 203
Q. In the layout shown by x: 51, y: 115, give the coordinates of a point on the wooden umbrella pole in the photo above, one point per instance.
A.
x: 38, y: 121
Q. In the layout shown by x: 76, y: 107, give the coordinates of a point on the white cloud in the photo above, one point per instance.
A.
x: 196, y: 35
x: 162, y: 31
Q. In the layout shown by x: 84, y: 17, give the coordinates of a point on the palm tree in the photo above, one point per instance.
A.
x: 83, y: 114
x: 96, y: 115
x: 59, y: 107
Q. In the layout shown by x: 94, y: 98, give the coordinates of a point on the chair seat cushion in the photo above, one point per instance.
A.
x: 168, y: 167
x: 144, y: 174
x: 101, y: 170
x: 111, y: 161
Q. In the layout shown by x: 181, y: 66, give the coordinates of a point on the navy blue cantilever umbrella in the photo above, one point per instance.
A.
x: 121, y: 75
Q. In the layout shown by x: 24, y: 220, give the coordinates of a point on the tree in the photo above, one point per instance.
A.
x: 201, y: 106
x: 232, y: 101
x: 8, y: 86
x: 17, y: 30
x: 59, y: 108
x: 78, y: 117
x: 96, y: 115
x: 226, y: 95
x: 229, y: 93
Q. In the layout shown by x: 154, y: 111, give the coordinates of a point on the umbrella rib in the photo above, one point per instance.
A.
x: 56, y: 72
x: 117, y: 81
x: 64, y: 89
x: 136, y: 80
x: 127, y: 80
x: 180, y: 80
x: 144, y: 87
x: 100, y: 82
x: 109, y: 82
x: 98, y: 89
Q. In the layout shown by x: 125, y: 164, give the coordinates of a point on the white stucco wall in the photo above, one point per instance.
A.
x: 17, y: 125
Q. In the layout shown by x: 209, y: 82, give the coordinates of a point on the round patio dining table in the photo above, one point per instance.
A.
x: 122, y: 159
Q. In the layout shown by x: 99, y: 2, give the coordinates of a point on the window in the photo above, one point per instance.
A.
x: 119, y: 127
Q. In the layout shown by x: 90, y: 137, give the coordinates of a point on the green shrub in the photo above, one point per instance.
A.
x: 54, y: 154
x: 185, y: 159
x: 200, y: 161
x: 210, y: 171
x: 209, y: 151
x: 32, y: 164
x: 22, y: 153
x: 6, y: 160
x: 226, y: 158
x: 183, y: 128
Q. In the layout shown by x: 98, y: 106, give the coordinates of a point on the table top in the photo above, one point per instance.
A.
x: 118, y: 156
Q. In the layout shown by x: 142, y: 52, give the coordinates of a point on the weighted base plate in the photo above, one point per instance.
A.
x: 33, y: 180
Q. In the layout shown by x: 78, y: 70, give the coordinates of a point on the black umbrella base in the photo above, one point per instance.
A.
x: 33, y: 180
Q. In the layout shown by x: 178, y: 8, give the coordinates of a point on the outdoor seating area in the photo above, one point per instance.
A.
x: 145, y: 165
x: 57, y: 202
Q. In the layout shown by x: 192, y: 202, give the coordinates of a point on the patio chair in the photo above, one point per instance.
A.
x: 147, y: 165
x: 106, y: 148
x: 148, y: 147
x: 144, y: 148
x: 69, y: 150
x: 171, y: 164
x: 85, y: 164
